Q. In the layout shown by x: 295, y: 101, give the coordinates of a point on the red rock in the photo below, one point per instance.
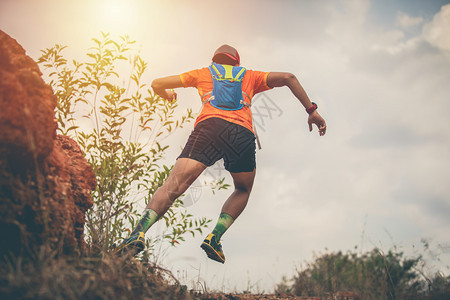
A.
x: 26, y: 107
x: 45, y: 181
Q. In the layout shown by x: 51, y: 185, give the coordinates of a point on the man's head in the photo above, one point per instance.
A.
x: 226, y: 55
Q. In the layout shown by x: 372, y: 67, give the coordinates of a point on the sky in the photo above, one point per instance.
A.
x: 379, y: 72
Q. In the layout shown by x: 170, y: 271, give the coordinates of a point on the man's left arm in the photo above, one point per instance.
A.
x: 279, y: 79
x: 163, y: 86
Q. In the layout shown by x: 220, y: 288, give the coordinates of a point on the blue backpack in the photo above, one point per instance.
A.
x: 227, y: 91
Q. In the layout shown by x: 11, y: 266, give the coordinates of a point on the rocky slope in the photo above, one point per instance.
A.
x: 45, y: 181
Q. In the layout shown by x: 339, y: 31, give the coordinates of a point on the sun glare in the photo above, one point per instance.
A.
x: 112, y: 11
x: 116, y: 16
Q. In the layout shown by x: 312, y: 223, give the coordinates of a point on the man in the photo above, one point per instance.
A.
x: 220, y: 131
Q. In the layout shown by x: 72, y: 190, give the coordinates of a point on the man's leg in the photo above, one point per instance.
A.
x: 232, y: 208
x: 243, y: 183
x: 183, y: 174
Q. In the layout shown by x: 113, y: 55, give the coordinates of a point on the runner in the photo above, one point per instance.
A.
x: 223, y: 129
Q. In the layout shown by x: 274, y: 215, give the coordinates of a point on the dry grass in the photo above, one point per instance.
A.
x: 89, y: 277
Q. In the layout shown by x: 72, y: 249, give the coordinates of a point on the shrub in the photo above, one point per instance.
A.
x: 121, y: 126
x: 371, y: 275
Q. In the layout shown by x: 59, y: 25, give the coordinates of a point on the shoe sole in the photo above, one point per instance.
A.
x: 212, y: 254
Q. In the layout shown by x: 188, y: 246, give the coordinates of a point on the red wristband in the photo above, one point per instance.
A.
x: 312, y: 108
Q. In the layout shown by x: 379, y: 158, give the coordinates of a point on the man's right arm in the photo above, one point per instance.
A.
x: 163, y: 86
x: 280, y: 79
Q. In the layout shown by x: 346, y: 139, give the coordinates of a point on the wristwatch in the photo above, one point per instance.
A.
x: 312, y: 108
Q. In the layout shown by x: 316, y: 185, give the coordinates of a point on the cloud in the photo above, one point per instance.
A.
x: 437, y: 32
x: 405, y: 21
x: 431, y: 207
x: 388, y: 136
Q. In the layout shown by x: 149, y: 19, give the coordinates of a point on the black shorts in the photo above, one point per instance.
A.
x: 215, y: 138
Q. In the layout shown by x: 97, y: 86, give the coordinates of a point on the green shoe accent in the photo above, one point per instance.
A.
x: 132, y: 245
x: 213, y: 248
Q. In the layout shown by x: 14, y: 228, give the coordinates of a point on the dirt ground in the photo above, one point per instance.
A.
x: 217, y: 296
x: 252, y: 296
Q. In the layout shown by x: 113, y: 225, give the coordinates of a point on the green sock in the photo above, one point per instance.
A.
x: 224, y: 222
x: 148, y: 218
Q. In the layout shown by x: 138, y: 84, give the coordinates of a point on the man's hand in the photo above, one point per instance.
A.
x: 171, y: 96
x: 315, y: 118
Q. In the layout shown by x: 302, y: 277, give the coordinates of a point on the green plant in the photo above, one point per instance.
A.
x: 371, y: 275
x: 121, y: 126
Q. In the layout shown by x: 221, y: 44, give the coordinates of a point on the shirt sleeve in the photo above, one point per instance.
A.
x: 190, y: 79
x: 260, y: 81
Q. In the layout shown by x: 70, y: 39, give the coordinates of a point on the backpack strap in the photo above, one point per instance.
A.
x: 219, y: 75
x: 258, y: 142
x: 228, y: 73
x: 207, y: 98
x: 248, y: 104
x: 238, y: 75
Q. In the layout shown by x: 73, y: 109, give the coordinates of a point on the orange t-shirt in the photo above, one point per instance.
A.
x: 253, y: 82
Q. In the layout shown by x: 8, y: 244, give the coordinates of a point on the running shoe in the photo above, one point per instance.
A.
x: 213, y: 248
x: 133, y: 244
